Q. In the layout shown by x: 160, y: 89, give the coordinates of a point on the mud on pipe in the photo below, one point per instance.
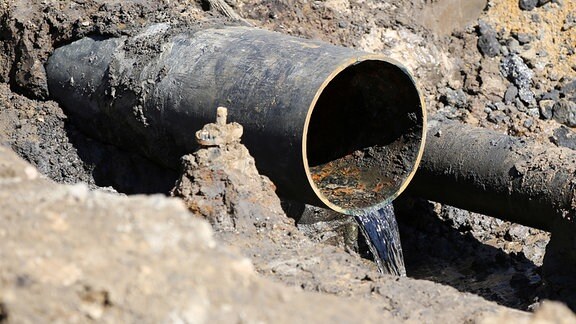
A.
x: 331, y: 126
x: 498, y: 175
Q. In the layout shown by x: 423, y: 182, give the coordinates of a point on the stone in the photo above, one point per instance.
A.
x: 455, y: 98
x: 545, y: 107
x: 493, y: 85
x: 498, y: 117
x: 564, y: 137
x: 223, y: 167
x: 551, y: 95
x: 533, y: 112
x: 569, y: 22
x: 523, y: 38
x: 527, y: 4
x: 30, y: 76
x: 488, y: 42
x: 517, y: 232
x: 513, y: 46
x: 564, y: 112
x: 514, y: 68
x: 568, y: 91
x: 510, y: 94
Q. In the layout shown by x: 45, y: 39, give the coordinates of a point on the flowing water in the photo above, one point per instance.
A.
x: 380, y: 230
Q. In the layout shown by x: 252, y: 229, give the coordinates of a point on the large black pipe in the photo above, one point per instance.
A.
x: 498, y: 175
x: 331, y: 126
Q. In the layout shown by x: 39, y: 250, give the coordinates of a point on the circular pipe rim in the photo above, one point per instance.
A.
x: 404, y: 184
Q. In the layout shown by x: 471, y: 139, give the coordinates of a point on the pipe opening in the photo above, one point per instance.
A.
x: 364, y: 136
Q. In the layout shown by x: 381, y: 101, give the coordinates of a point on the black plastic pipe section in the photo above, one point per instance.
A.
x: 497, y: 175
x: 331, y: 126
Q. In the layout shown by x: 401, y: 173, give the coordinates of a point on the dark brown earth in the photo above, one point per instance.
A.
x: 496, y: 260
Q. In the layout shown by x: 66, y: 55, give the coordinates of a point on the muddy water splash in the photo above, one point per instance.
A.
x: 380, y: 230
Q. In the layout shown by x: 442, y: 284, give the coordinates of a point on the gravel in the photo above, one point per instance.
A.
x: 514, y: 68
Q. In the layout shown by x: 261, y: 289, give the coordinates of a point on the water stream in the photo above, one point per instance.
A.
x: 380, y: 230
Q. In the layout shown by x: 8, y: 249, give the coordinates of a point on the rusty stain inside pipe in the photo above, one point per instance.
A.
x: 365, y: 136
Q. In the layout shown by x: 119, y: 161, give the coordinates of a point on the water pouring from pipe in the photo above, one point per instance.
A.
x: 380, y: 230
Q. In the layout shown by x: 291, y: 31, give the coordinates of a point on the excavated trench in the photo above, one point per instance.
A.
x: 430, y: 246
x: 440, y: 243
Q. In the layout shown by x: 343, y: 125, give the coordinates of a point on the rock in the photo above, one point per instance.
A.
x: 527, y: 4
x: 495, y: 106
x: 542, y: 2
x: 523, y: 38
x: 514, y: 46
x: 564, y: 112
x: 551, y: 95
x: 545, y: 107
x: 514, y: 68
x: 533, y: 112
x: 30, y: 76
x: 517, y: 232
x: 455, y: 98
x: 510, y: 94
x: 221, y: 183
x: 458, y: 218
x: 564, y: 137
x: 488, y: 42
x: 568, y: 91
x: 493, y: 85
x: 498, y: 117
x: 534, y: 59
x: 569, y: 22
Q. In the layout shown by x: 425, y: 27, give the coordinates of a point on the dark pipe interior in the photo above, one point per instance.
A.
x: 364, y: 134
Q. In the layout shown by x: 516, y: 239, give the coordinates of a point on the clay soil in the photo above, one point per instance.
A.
x: 461, y: 266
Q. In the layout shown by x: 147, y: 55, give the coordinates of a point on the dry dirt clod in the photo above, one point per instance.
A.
x: 70, y: 255
x: 220, y: 181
